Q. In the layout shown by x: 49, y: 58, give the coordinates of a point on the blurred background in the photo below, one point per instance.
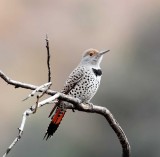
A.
x: 130, y: 86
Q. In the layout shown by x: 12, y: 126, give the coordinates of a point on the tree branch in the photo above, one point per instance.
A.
x: 18, y: 84
x: 75, y: 104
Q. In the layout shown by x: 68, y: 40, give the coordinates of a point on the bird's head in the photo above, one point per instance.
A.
x: 92, y: 57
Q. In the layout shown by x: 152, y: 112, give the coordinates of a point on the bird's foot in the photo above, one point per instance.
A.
x: 90, y: 105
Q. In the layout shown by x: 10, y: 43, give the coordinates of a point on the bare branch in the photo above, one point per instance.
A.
x: 115, y: 126
x: 29, y: 111
x: 109, y: 117
x: 13, y: 143
x: 18, y: 84
x: 41, y: 95
x: 46, y: 86
x: 75, y: 104
x: 48, y: 59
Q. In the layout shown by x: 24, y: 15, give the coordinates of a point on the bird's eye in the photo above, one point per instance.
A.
x: 91, y: 54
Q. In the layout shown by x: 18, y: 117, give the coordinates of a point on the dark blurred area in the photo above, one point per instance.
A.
x: 130, y: 84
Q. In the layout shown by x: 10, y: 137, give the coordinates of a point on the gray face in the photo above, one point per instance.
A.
x: 92, y: 57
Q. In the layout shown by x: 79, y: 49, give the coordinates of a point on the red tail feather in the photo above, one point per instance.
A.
x: 55, y: 121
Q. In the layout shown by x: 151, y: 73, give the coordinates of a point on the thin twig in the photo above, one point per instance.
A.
x: 49, y: 75
x: 39, y: 96
x: 25, y: 115
x: 44, y: 86
x: 48, y: 59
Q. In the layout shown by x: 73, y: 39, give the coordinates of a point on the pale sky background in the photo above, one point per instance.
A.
x: 130, y: 85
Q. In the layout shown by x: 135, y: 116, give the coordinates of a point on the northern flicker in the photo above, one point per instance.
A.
x: 82, y: 83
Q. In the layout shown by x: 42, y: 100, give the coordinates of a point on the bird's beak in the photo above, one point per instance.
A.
x: 103, y: 52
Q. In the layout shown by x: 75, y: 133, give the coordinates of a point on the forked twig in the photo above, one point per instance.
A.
x: 40, y: 96
x: 29, y: 111
x: 45, y: 87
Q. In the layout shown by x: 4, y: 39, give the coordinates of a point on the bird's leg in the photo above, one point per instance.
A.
x: 64, y: 106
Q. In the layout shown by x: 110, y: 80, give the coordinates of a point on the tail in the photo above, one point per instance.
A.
x: 55, y: 121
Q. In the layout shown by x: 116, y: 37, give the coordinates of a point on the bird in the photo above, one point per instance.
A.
x: 82, y: 83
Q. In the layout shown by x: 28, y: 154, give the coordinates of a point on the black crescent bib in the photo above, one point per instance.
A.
x: 97, y: 72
